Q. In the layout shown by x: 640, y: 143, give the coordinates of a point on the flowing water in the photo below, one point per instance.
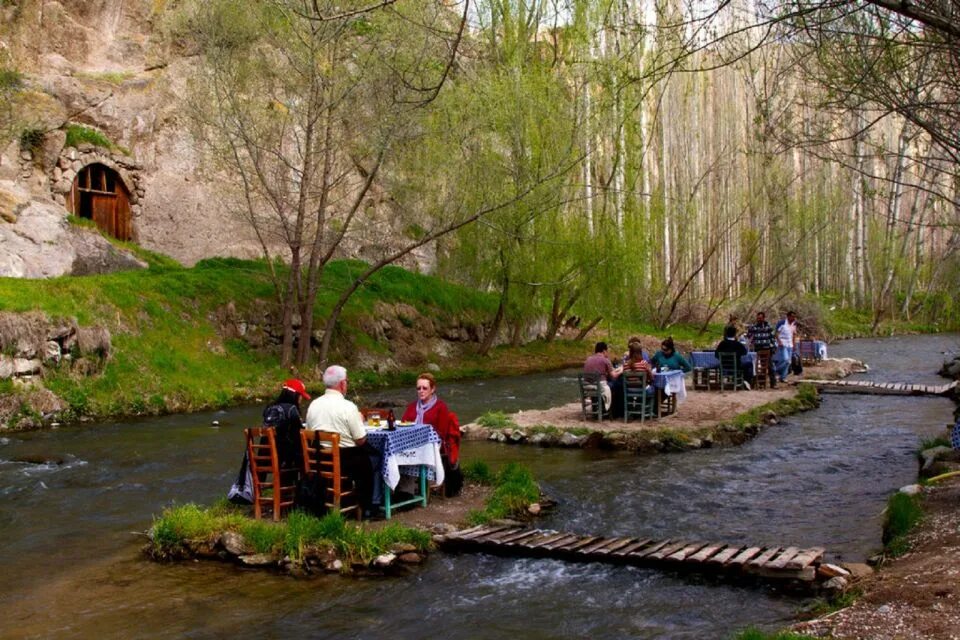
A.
x: 69, y: 541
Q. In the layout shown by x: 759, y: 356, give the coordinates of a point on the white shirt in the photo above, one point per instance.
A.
x: 785, y: 333
x: 333, y: 413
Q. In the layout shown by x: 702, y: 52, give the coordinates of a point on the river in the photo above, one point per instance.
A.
x: 71, y: 533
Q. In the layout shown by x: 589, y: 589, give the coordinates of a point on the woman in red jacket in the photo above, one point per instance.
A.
x: 429, y: 409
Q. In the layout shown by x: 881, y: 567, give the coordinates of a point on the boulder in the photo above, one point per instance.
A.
x: 258, y: 559
x: 570, y: 440
x: 27, y: 367
x: 534, y: 509
x: 858, y: 569
x: 234, y: 543
x: 53, y: 143
x: 7, y: 369
x: 836, y: 584
x: 384, y: 560
x: 410, y: 558
x: 931, y: 455
x: 911, y: 489
x: 52, y: 352
x: 94, y: 341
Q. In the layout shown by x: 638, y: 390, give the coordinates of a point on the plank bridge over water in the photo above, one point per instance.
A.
x: 783, y: 563
x: 884, y: 388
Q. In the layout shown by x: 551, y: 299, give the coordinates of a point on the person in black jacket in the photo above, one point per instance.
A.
x: 730, y: 344
x: 283, y: 414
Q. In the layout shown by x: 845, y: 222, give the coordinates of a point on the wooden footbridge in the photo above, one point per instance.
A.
x: 883, y: 388
x: 789, y: 563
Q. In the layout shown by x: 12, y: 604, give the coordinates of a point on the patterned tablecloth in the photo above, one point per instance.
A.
x: 707, y: 360
x: 672, y: 383
x: 405, y: 449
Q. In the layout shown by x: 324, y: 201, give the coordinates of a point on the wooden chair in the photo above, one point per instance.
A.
x: 591, y: 396
x: 636, y: 400
x: 321, y: 454
x: 274, y: 489
x: 366, y: 412
x: 762, y: 368
x: 731, y: 373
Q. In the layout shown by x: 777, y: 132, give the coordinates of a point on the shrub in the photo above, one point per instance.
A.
x: 479, y: 472
x: 78, y: 134
x: 31, y: 139
x: 515, y: 490
x: 904, y: 512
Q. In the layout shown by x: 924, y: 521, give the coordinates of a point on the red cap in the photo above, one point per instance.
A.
x: 297, y: 387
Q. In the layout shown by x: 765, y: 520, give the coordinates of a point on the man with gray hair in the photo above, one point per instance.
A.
x: 333, y: 413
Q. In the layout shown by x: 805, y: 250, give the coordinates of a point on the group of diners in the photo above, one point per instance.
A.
x: 774, y: 344
x: 360, y: 461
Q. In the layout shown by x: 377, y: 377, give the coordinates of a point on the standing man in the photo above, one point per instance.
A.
x: 786, y: 341
x: 761, y: 337
x: 600, y: 363
x: 333, y: 413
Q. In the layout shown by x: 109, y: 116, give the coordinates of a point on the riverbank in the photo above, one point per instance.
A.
x: 915, y: 595
x: 704, y: 419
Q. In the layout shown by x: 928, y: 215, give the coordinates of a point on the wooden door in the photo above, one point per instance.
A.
x: 104, y: 207
x: 122, y: 222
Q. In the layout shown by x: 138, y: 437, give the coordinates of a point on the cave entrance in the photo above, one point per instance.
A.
x: 99, y: 194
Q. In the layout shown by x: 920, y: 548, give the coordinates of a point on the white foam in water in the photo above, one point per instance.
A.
x: 42, y: 485
x: 4, y: 440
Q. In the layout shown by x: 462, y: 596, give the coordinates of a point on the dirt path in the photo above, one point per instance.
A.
x: 915, y: 596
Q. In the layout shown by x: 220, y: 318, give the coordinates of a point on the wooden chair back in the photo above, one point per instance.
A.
x: 591, y: 396
x: 637, y: 401
x: 731, y: 373
x: 274, y: 489
x: 321, y: 455
x: 763, y: 364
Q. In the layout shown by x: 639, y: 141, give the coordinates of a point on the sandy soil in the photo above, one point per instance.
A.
x: 700, y: 409
x: 915, y: 596
x: 441, y: 510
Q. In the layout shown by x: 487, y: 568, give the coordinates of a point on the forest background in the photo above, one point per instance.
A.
x: 627, y: 162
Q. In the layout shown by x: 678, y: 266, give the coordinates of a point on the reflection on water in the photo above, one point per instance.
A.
x: 73, y: 570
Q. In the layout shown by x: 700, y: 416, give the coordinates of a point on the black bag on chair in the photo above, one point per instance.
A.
x: 796, y: 364
x: 241, y: 492
x: 452, y: 478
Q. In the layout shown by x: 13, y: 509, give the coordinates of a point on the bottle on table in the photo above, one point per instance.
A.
x: 391, y: 421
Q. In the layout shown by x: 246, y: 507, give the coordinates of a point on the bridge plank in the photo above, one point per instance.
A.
x: 562, y: 542
x: 463, y: 532
x: 781, y: 561
x: 805, y: 558
x: 604, y: 542
x: 517, y: 537
x: 548, y: 539
x: 630, y: 548
x: 578, y: 544
x: 723, y: 557
x: 743, y: 556
x: 620, y: 544
x: 500, y: 535
x: 670, y: 549
x: 688, y: 550
x: 483, y: 532
x: 653, y: 547
x: 765, y: 557
x: 706, y: 552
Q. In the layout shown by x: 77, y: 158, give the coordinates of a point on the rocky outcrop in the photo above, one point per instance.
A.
x: 37, y: 241
x: 951, y: 368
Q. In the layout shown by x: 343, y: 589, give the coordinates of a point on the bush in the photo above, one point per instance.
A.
x: 478, y: 472
x: 31, y: 139
x: 79, y: 134
x: 515, y: 491
x: 904, y: 512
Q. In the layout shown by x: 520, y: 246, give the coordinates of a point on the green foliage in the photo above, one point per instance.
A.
x: 842, y: 600
x: 903, y: 513
x: 10, y: 79
x: 478, y: 472
x: 937, y: 441
x: 78, y: 134
x: 31, y: 139
x: 77, y: 221
x: 496, y: 420
x: 177, y: 525
x: 756, y: 634
x: 514, y: 491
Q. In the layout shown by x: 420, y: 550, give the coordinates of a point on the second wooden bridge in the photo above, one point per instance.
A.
x: 783, y: 563
x: 883, y: 388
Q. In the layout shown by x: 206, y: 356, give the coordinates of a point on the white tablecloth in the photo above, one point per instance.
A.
x: 407, y: 447
x: 672, y: 383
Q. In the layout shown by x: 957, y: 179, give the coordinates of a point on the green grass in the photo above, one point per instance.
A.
x: 478, y: 472
x: 903, y: 513
x: 805, y: 400
x: 354, y: 543
x: 514, y: 491
x: 756, y: 634
x: 496, y: 420
x: 824, y: 606
x: 930, y: 443
x: 78, y: 134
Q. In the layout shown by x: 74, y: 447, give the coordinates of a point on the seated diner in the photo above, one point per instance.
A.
x: 730, y: 344
x: 633, y: 361
x: 668, y: 358
x: 430, y: 409
x: 333, y: 413
x: 599, y: 363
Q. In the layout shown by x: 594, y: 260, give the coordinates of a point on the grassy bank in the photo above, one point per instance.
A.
x: 179, y: 530
x: 514, y: 489
x: 904, y: 512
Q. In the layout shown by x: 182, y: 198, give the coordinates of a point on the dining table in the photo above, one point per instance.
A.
x: 709, y: 360
x: 671, y: 388
x: 408, y: 450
